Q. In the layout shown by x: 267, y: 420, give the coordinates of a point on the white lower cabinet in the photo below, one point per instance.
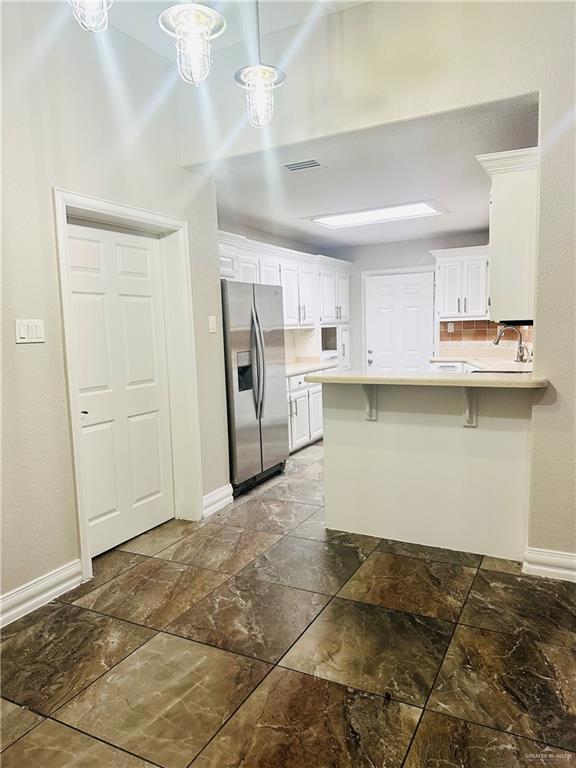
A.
x: 315, y: 411
x: 299, y: 418
x: 344, y: 347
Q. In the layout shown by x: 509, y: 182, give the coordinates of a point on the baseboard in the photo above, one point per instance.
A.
x: 38, y: 592
x: 550, y: 563
x: 217, y: 500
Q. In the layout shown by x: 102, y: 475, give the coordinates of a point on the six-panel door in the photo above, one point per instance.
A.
x: 118, y: 360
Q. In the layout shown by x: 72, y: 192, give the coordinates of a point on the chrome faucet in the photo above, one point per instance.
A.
x: 522, y: 353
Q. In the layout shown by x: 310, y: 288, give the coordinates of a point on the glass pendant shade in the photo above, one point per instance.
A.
x: 194, y: 26
x: 92, y: 15
x: 259, y: 81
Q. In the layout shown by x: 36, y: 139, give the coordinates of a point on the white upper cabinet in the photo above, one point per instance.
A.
x: 342, y: 297
x: 269, y: 271
x: 289, y: 282
x: 248, y: 268
x: 513, y: 232
x: 228, y: 260
x: 462, y: 283
x: 334, y: 296
x: 327, y: 296
x: 307, y: 293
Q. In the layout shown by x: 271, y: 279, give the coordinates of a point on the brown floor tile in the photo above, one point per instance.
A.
x: 315, y: 528
x: 315, y: 565
x: 308, y: 455
x: 517, y: 685
x: 220, y: 548
x: 105, y: 567
x: 444, y: 741
x: 153, y: 593
x: 53, y: 745
x: 297, y: 488
x: 419, y: 586
x: 269, y: 515
x: 25, y: 622
x: 15, y: 721
x: 542, y: 608
x: 251, y: 616
x: 373, y: 649
x: 53, y: 659
x: 166, y: 700
x: 499, y: 564
x: 430, y: 553
x: 297, y: 720
x: 162, y: 536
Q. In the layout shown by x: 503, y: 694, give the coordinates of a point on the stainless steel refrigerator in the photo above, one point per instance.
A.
x: 255, y: 382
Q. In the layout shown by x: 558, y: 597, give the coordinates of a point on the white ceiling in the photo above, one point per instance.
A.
x: 431, y: 158
x: 140, y: 20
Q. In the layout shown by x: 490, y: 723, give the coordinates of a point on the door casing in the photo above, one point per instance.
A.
x: 180, y: 346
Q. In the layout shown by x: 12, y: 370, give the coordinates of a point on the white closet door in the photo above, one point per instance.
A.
x: 399, y: 322
x: 118, y: 360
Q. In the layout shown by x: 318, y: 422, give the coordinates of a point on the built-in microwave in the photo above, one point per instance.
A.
x: 329, y: 338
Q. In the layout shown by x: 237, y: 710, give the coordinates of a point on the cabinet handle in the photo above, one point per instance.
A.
x: 343, y: 350
x: 303, y: 311
x: 458, y: 305
x: 299, y: 313
x: 296, y: 407
x: 465, y: 305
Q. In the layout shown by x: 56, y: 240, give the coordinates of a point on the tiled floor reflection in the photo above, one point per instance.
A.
x: 261, y: 639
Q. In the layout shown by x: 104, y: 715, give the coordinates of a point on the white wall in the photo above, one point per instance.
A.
x: 380, y: 62
x: 96, y: 115
x: 409, y: 253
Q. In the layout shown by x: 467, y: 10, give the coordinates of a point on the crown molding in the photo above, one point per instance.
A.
x: 513, y: 160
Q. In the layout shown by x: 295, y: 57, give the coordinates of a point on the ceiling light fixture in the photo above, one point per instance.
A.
x: 259, y: 81
x: 379, y: 215
x: 92, y: 15
x: 194, y: 26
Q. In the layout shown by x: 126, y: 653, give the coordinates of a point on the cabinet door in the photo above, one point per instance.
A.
x: 342, y: 297
x: 344, y: 347
x: 299, y: 419
x: 248, y: 268
x: 315, y: 409
x: 269, y: 271
x: 289, y: 423
x: 228, y: 258
x: 475, y: 288
x: 307, y: 294
x: 327, y: 297
x: 450, y: 289
x: 289, y: 281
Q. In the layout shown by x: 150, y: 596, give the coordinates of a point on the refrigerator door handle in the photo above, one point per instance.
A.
x: 262, y: 364
x: 259, y: 362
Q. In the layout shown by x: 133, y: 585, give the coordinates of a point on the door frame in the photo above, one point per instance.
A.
x: 172, y: 234
x: 390, y: 271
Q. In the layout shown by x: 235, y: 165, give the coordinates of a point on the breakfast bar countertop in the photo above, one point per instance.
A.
x: 433, y: 379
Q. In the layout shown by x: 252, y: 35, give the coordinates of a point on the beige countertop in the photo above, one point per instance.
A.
x: 432, y: 379
x: 303, y: 366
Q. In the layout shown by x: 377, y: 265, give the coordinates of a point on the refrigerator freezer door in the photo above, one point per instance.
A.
x: 241, y: 380
x: 274, y: 418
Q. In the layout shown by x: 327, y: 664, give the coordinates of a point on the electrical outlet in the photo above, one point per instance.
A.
x: 450, y: 327
x: 211, y: 324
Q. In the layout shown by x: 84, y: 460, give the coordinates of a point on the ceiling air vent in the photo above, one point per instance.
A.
x: 302, y: 165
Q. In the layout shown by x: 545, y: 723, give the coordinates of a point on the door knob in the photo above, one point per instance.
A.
x: 84, y: 413
x: 370, y: 361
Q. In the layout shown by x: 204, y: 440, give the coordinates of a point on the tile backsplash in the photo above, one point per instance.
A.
x: 480, y: 332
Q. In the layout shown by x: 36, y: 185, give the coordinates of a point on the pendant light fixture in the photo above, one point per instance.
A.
x: 259, y: 81
x: 194, y: 26
x: 92, y: 15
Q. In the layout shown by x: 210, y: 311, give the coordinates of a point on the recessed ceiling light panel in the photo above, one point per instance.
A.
x: 379, y: 215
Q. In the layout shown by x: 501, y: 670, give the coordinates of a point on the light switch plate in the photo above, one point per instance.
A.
x: 29, y: 331
x: 212, y: 324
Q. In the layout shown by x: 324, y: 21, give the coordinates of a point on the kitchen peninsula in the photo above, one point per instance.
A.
x: 440, y: 459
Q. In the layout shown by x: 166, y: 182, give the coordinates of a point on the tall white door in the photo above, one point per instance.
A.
x: 399, y: 329
x: 118, y: 364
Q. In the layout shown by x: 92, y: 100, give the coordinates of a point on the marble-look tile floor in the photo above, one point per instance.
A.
x: 261, y: 639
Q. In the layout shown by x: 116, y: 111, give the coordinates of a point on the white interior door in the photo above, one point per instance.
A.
x: 118, y: 363
x: 399, y: 323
